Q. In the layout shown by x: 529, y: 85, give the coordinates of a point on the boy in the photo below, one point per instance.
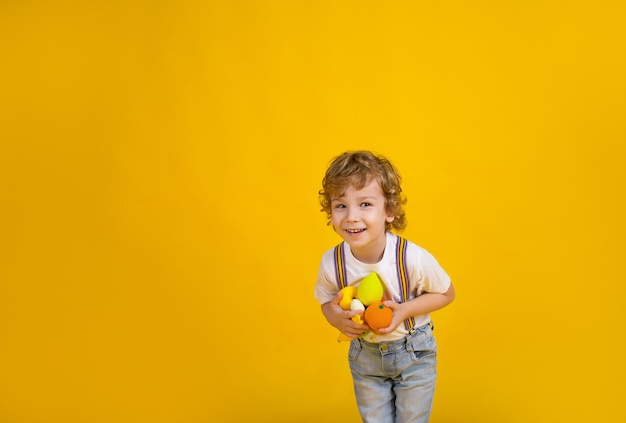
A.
x: 393, y: 368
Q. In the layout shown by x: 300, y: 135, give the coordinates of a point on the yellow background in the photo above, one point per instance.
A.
x: 160, y: 229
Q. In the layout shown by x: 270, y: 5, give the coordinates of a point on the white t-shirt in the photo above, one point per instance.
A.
x: 424, y: 274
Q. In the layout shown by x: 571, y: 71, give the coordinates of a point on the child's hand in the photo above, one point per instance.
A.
x: 342, y: 319
x: 397, y: 317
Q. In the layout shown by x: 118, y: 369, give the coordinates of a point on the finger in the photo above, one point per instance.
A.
x: 391, y: 304
x: 336, y: 298
x: 357, y: 327
x: 384, y: 331
x: 354, y: 313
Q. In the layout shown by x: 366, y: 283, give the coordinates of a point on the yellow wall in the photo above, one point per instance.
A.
x: 160, y: 232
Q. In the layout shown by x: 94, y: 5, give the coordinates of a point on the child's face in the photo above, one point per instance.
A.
x: 359, y: 216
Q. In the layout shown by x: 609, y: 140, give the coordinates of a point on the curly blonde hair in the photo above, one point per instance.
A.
x: 358, y: 168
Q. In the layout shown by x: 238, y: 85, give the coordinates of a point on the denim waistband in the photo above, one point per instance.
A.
x: 406, y: 343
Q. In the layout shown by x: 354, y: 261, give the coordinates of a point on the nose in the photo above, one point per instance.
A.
x: 353, y: 214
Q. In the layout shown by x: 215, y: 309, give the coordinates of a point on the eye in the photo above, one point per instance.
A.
x: 366, y: 204
x: 339, y: 206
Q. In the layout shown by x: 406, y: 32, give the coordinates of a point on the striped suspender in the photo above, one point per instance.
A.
x: 403, y: 273
x: 340, y: 266
x: 403, y: 278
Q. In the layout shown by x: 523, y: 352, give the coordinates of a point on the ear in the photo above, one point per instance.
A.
x: 389, y: 219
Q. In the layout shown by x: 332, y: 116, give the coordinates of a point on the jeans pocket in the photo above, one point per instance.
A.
x: 355, y: 350
x: 424, y: 347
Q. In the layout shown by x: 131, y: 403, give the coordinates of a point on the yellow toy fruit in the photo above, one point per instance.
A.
x: 378, y: 316
x: 348, y: 294
x: 370, y: 289
x: 357, y: 305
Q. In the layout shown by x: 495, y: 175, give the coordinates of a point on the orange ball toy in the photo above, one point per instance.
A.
x: 378, y: 316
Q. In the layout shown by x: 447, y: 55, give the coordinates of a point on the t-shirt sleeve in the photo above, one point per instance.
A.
x: 430, y: 275
x: 325, y: 286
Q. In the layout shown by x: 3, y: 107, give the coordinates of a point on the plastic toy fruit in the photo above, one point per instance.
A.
x: 348, y: 293
x: 357, y: 305
x: 378, y: 316
x: 370, y: 289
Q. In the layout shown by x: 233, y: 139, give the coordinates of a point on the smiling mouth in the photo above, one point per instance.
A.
x: 355, y: 231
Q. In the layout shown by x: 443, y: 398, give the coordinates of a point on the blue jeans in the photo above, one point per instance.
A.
x: 394, y: 382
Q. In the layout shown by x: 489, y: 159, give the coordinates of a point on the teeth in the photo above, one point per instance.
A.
x: 354, y: 231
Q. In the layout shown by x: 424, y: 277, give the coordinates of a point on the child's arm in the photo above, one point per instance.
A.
x: 341, y: 319
x: 423, y: 304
